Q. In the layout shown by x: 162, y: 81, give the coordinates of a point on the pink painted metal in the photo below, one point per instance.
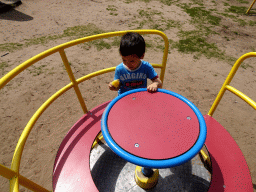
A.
x: 71, y: 172
x: 72, y: 168
x: 160, y: 125
x: 230, y: 171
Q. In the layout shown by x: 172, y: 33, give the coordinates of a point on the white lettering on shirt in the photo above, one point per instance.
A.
x: 133, y: 76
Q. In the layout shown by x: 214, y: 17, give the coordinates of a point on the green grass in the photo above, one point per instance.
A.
x: 141, y: 24
x: 227, y: 38
x: 194, y: 42
x: 253, y: 49
x: 237, y: 10
x: 241, y: 22
x: 112, y: 9
x: 190, y: 42
x: 10, y: 47
x: 235, y: 19
x: 82, y: 31
x: 36, y: 70
x: 41, y: 40
x: 147, y: 18
x: 3, y: 66
x: 87, y: 30
x: 128, y: 1
x: 252, y: 23
x: 200, y: 15
x: 165, y: 2
x: 168, y: 2
x: 146, y: 1
x: 115, y: 41
x: 71, y: 32
x: 148, y: 14
x: 198, y: 2
x: 236, y: 33
x: 242, y: 1
x: 153, y: 23
x: 213, y: 9
x: 214, y: 2
x: 101, y: 44
x: 228, y: 15
x: 164, y: 25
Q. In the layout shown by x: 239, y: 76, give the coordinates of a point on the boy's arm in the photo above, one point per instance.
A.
x: 156, y: 83
x: 117, y: 76
x: 112, y: 87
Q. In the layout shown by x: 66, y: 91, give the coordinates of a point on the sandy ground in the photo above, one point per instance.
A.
x: 196, y: 77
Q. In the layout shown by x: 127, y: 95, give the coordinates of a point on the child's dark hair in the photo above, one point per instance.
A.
x: 132, y: 43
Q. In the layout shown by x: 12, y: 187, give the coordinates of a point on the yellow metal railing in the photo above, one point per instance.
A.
x: 226, y: 85
x: 9, y: 174
x: 247, y: 12
x: 13, y: 173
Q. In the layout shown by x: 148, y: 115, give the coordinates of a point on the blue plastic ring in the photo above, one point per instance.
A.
x: 150, y: 163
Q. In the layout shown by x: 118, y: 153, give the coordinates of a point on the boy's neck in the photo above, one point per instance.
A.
x: 132, y: 69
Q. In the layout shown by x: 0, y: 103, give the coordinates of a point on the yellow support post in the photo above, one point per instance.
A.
x: 247, y: 12
x: 14, y: 184
x: 73, y: 80
x: 6, y: 172
x: 228, y: 80
x: 97, y: 140
x: 163, y: 66
x: 31, y: 185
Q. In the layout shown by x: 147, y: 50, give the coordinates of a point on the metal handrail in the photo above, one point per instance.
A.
x: 226, y: 86
x: 242, y: 96
x: 17, y: 179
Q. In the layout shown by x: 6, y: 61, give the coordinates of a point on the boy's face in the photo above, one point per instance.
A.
x: 132, y: 61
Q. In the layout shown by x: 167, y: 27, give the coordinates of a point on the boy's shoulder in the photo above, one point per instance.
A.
x: 120, y: 65
x: 145, y: 63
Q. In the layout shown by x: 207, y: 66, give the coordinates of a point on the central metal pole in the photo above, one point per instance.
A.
x: 147, y: 171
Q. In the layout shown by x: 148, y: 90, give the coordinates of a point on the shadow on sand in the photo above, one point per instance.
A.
x: 7, y: 12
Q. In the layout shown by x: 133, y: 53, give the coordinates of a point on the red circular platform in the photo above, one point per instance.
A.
x: 153, y: 125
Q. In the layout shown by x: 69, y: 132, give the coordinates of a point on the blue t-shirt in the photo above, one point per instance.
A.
x: 133, y: 79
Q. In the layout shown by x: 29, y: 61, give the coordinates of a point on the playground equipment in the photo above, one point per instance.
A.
x: 229, y: 169
x: 247, y: 12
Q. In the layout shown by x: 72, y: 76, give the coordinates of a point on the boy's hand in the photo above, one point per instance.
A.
x: 113, y: 88
x: 157, y: 83
x: 152, y: 87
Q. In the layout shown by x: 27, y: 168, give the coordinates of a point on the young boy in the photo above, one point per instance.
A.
x: 133, y: 72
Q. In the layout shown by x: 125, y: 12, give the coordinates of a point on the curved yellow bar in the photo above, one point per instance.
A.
x: 9, y: 76
x: 100, y: 72
x: 15, y: 180
x: 23, y: 138
x: 228, y: 80
x: 242, y: 96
